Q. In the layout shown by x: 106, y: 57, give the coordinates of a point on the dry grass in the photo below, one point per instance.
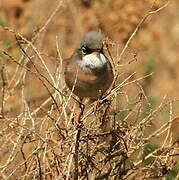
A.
x: 122, y: 138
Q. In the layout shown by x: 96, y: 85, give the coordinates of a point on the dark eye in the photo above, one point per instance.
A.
x: 84, y: 50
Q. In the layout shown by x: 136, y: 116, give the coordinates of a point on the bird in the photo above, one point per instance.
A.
x: 88, y: 72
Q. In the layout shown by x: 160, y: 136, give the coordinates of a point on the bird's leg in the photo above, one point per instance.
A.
x: 79, y: 112
x: 95, y: 105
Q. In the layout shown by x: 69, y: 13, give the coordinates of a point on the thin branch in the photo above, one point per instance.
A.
x: 3, y: 92
x: 150, y: 13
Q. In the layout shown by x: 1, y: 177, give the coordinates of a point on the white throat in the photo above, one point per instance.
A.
x: 93, y: 61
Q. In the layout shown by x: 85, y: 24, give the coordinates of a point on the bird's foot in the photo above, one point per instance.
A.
x: 77, y: 121
x: 95, y: 105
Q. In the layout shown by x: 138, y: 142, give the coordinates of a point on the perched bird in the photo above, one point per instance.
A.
x: 88, y: 72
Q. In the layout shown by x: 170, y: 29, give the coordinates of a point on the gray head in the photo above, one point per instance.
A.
x: 91, y: 41
x: 90, y: 52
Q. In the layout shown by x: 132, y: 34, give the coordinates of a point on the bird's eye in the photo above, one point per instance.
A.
x: 84, y: 50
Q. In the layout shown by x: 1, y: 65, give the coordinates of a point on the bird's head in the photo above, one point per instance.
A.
x: 90, y: 51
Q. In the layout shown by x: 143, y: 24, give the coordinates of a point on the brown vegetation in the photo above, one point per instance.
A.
x: 132, y: 133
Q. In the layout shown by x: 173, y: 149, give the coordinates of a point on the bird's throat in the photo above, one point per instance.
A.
x: 93, y: 61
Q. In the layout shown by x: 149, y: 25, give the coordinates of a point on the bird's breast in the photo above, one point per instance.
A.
x: 89, y: 76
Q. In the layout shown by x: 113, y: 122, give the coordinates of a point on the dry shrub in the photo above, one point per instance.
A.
x: 120, y: 137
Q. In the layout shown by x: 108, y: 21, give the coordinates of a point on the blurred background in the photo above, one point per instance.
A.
x: 153, y: 49
x: 156, y: 43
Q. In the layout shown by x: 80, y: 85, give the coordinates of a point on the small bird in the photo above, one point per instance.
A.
x: 88, y: 72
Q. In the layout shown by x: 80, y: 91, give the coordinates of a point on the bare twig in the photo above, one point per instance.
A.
x: 76, y: 154
x: 3, y: 92
x: 150, y: 13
